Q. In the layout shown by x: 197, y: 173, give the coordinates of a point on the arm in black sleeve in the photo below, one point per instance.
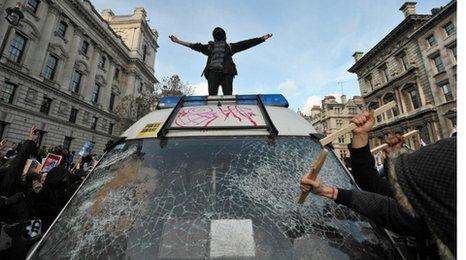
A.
x: 364, y: 172
x: 246, y: 44
x: 384, y: 211
x: 203, y: 48
x: 12, y: 178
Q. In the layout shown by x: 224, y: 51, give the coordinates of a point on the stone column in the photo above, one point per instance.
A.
x: 68, y: 68
x: 40, y: 49
x: 107, y: 90
x: 90, y: 81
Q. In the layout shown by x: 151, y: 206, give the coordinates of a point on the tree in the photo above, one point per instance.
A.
x: 130, y: 108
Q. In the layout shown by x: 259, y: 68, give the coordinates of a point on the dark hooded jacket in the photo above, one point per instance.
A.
x: 423, y: 198
x: 229, y: 66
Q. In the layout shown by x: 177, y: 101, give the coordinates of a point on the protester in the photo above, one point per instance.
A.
x: 30, y: 201
x: 419, y: 197
x: 220, y: 68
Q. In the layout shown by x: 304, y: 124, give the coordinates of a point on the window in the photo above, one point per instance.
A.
x: 33, y: 4
x: 2, y: 129
x: 67, y: 142
x: 102, y: 61
x: 438, y: 63
x: 374, y: 106
x: 95, y: 93
x: 84, y: 47
x: 45, y: 107
x: 341, y: 140
x: 339, y: 123
x: 61, y: 30
x: 7, y: 92
x: 447, y: 91
x: 369, y: 82
x: 144, y: 52
x: 388, y: 98
x: 17, y: 48
x: 453, y: 51
x: 40, y: 137
x: 76, y: 81
x: 94, y: 122
x: 337, y: 110
x: 384, y: 72
x: 117, y: 73
x: 110, y: 128
x: 73, y: 115
x: 112, y: 102
x: 403, y: 58
x: 431, y: 40
x: 449, y: 28
x: 50, y: 67
x: 352, y: 110
x: 414, y: 95
x: 141, y: 87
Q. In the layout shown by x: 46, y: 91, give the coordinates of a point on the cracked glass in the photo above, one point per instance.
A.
x: 207, y: 198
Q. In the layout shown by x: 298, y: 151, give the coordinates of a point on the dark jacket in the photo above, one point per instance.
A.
x: 229, y: 66
x: 365, y: 174
x: 423, y: 197
x: 11, y: 181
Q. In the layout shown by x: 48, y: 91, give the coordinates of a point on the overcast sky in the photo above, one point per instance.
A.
x: 309, y: 53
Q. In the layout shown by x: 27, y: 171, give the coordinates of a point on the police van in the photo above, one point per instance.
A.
x: 208, y: 177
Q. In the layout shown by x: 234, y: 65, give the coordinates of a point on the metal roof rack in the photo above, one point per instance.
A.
x: 249, y: 99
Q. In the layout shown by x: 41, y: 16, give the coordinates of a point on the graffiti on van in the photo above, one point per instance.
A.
x: 218, y: 116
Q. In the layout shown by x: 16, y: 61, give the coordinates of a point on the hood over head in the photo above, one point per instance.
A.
x: 219, y: 34
x: 424, y: 183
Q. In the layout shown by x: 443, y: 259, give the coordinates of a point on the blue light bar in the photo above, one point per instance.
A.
x: 268, y: 99
x: 195, y: 101
x: 168, y: 102
x: 277, y: 100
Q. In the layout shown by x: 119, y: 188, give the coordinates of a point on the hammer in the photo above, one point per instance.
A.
x: 317, y: 165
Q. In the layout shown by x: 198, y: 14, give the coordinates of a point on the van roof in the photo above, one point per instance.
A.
x: 240, y: 115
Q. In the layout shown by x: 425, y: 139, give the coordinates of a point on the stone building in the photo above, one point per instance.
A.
x: 437, y: 42
x: 332, y: 116
x: 67, y: 69
x: 398, y: 68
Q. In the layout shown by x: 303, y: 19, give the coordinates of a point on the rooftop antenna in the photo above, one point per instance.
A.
x: 340, y: 83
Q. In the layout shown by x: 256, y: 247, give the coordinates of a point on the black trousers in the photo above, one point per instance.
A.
x: 215, y: 79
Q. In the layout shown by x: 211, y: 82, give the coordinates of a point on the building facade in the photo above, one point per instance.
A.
x: 399, y: 69
x: 332, y: 116
x: 66, y: 68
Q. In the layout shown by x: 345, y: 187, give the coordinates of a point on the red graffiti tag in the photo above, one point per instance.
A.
x: 204, y: 116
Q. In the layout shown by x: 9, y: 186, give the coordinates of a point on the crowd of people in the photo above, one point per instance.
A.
x: 30, y: 199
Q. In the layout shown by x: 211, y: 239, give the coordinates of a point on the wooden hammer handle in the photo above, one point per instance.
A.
x: 315, y: 169
x: 348, y: 128
x: 385, y: 145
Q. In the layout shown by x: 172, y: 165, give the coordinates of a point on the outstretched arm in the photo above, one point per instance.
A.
x: 204, y: 48
x: 246, y: 44
x: 176, y: 40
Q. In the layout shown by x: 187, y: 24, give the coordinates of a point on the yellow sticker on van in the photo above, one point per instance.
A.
x: 150, y: 130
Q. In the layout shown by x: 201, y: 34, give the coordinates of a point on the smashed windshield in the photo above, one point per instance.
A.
x: 202, y: 198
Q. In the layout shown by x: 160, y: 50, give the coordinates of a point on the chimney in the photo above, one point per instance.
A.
x: 357, y: 56
x: 343, y: 99
x: 408, y: 8
x: 435, y: 10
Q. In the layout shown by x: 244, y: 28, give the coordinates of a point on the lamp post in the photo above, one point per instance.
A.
x: 13, y: 16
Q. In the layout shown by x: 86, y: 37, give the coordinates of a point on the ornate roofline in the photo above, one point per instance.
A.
x: 400, y: 28
x: 446, y: 10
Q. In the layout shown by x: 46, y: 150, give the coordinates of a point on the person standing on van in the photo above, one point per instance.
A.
x: 220, y: 68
